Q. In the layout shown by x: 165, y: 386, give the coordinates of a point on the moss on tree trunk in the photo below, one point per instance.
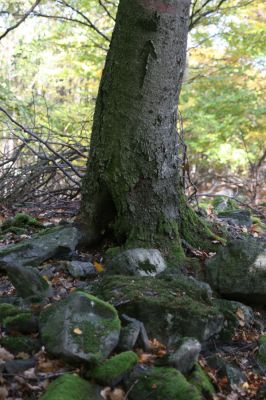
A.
x: 132, y: 185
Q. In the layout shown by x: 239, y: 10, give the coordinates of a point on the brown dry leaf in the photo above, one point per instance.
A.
x: 117, y: 394
x: 154, y: 386
x: 77, y: 331
x: 5, y: 355
x: 3, y: 393
x: 105, y: 392
x: 22, y: 355
x: 98, y: 266
x: 146, y: 358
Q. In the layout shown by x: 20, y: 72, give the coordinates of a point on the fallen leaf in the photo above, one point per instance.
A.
x: 105, y: 392
x: 77, y: 331
x: 117, y: 394
x: 98, y: 266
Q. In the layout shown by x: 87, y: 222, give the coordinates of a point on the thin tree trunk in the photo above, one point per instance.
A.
x: 132, y: 185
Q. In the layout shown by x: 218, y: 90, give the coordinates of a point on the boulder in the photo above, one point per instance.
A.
x: 28, y: 282
x: 238, y: 271
x: 162, y: 383
x: 170, y: 309
x: 80, y: 328
x: 18, y: 344
x: 113, y: 370
x: 134, y: 333
x: 59, y: 241
x: 184, y: 357
x: 138, y: 262
x: 69, y: 387
x: 202, y: 382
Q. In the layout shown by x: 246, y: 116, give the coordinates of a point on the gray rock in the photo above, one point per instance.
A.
x: 81, y: 269
x: 134, y: 332
x: 15, y: 367
x: 80, y: 328
x: 236, y: 217
x: 143, y: 262
x: 55, y: 242
x: 170, y: 308
x: 238, y: 271
x: 231, y: 371
x: 28, y: 282
x: 25, y: 323
x: 186, y: 356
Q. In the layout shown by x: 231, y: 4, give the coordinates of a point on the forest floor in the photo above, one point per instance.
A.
x: 29, y: 381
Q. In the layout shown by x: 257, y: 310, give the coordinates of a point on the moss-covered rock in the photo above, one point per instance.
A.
x: 17, y: 344
x: 236, y: 314
x: 202, y: 382
x: 53, y: 242
x: 169, y: 308
x: 28, y: 282
x: 69, y: 387
x: 80, y: 328
x: 7, y: 310
x: 261, y: 355
x: 24, y: 322
x: 238, y: 271
x: 19, y: 224
x: 163, y: 383
x: 113, y: 370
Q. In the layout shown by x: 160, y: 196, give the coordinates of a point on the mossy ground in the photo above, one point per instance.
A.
x: 115, y: 367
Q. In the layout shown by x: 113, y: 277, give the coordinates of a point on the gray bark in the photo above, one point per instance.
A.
x: 132, y: 184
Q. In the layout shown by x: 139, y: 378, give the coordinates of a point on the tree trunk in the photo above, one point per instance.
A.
x: 132, y: 185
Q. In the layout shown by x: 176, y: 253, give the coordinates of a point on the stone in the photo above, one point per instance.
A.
x: 81, y: 269
x: 7, y: 310
x: 185, y: 356
x: 236, y: 217
x: 69, y: 387
x: 202, y: 382
x: 238, y: 271
x: 163, y: 383
x: 113, y: 370
x: 236, y: 315
x: 28, y: 282
x: 170, y: 309
x: 231, y: 371
x: 132, y: 334
x: 80, y: 328
x: 15, y: 367
x: 138, y: 262
x: 54, y: 242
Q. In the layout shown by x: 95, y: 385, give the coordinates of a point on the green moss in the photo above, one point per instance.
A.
x: 19, y: 322
x: 17, y: 344
x: 69, y: 387
x: 261, y: 356
x: 7, y: 310
x: 202, y: 382
x: 162, y: 384
x: 262, y: 339
x: 115, y: 367
x: 19, y: 224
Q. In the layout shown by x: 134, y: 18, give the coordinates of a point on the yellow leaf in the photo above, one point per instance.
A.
x: 77, y: 331
x: 98, y: 266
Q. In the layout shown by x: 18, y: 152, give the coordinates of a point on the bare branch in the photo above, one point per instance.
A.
x: 25, y: 16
